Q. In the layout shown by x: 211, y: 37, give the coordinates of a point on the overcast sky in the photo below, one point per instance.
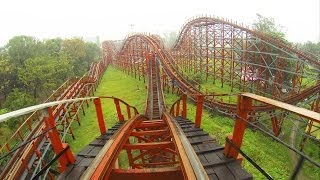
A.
x: 111, y: 19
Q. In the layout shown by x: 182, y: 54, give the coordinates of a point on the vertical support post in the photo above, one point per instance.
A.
x: 97, y: 103
x: 275, y: 124
x: 200, y: 99
x: 243, y: 108
x: 184, y: 106
x: 57, y: 144
x: 129, y: 112
x: 118, y: 108
x: 129, y: 153
x: 178, y: 109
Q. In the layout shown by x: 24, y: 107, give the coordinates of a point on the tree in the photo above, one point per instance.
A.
x: 53, y: 47
x: 93, y: 52
x: 17, y: 100
x: 21, y: 48
x: 38, y: 74
x: 75, y: 50
x: 5, y: 74
x: 62, y: 69
x: 269, y: 27
x: 313, y: 48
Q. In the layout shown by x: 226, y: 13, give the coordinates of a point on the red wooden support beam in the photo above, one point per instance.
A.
x: 129, y: 153
x: 118, y: 108
x: 128, y: 112
x: 243, y: 108
x: 150, y: 132
x: 151, y: 125
x: 184, y: 106
x: 152, y: 173
x: 275, y: 124
x: 200, y: 100
x: 57, y: 144
x: 97, y: 103
x: 152, y: 145
x: 177, y: 108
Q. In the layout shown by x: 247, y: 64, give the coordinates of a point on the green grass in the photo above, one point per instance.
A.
x: 269, y: 154
x: 113, y: 83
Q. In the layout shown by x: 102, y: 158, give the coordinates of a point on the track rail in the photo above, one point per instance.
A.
x: 164, y: 151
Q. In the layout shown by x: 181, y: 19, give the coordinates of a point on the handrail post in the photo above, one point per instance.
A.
x: 184, y: 106
x: 243, y: 108
x: 129, y: 112
x: 200, y: 100
x: 177, y: 108
x: 118, y: 108
x: 97, y: 103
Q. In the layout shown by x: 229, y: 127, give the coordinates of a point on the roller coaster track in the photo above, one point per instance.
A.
x: 228, y: 50
x: 172, y: 71
x: 161, y: 144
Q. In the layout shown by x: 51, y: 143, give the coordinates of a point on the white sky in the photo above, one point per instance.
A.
x: 111, y: 19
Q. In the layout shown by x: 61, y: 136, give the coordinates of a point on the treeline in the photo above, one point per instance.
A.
x: 313, y: 48
x: 30, y: 69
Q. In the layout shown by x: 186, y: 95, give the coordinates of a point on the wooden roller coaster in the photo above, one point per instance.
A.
x: 161, y: 143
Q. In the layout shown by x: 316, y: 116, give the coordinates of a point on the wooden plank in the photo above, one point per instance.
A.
x: 218, y: 163
x: 196, y: 133
x: 104, y: 137
x: 86, y: 162
x: 238, y: 171
x: 76, y: 173
x: 191, y: 130
x: 223, y: 172
x: 209, y: 150
x: 200, y: 140
x: 213, y: 176
x: 95, y: 150
x: 86, y: 150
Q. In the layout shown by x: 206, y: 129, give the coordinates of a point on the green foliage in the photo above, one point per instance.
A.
x: 39, y: 67
x: 21, y: 48
x: 75, y: 50
x: 93, y: 52
x: 37, y: 74
x: 310, y: 47
x: 17, y: 100
x: 3, y: 111
x: 5, y: 76
x: 53, y: 47
x: 268, y: 26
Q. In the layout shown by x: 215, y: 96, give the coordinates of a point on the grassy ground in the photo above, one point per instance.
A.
x: 113, y: 83
x: 271, y: 156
